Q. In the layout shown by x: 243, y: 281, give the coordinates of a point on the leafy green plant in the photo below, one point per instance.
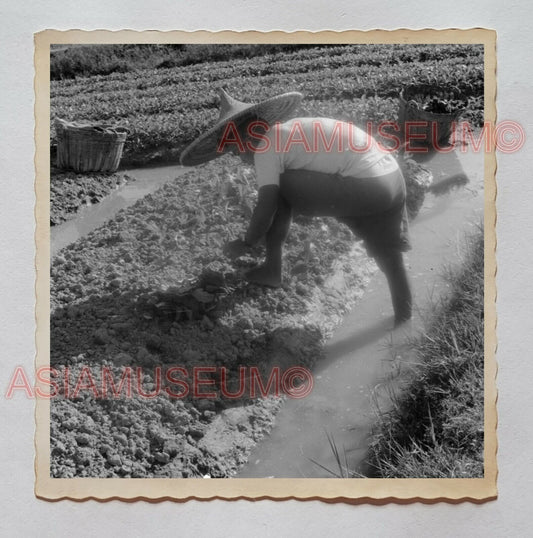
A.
x: 165, y: 109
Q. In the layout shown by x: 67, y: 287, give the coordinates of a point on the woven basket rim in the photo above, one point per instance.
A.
x: 428, y: 86
x: 405, y: 102
x: 443, y: 117
x: 90, y: 129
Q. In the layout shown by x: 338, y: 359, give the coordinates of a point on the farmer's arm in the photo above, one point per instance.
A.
x: 263, y: 214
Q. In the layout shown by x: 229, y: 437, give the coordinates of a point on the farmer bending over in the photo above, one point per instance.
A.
x: 313, y: 166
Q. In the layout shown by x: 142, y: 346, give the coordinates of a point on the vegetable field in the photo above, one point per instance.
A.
x: 166, y: 108
x: 152, y: 288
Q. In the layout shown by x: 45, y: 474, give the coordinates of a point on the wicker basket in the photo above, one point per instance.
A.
x: 438, y: 127
x: 89, y: 147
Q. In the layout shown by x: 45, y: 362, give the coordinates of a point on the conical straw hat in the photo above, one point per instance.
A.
x: 277, y: 108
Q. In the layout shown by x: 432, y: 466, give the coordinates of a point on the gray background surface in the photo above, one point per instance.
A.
x: 508, y: 516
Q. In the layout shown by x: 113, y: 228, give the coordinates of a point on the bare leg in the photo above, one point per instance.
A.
x: 269, y: 274
x: 392, y: 264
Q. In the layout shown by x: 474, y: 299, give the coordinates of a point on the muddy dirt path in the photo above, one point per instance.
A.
x: 365, y: 357
x: 147, y: 180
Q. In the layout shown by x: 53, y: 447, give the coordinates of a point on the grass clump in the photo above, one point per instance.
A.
x: 435, y: 426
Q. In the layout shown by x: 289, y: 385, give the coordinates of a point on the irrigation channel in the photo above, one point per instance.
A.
x: 365, y: 357
x: 147, y: 180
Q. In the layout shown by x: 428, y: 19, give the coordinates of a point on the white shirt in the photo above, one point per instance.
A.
x: 322, y: 145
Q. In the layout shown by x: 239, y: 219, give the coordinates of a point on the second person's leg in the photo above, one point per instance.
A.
x: 385, y: 238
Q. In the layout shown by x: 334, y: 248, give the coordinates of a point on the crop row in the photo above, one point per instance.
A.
x: 165, y: 109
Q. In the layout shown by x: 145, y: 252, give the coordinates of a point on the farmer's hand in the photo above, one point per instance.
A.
x: 236, y: 248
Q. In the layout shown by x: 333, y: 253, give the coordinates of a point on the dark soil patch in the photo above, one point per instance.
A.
x: 152, y: 289
x: 70, y: 191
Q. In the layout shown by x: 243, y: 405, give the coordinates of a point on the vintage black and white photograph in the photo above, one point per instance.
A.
x: 268, y: 260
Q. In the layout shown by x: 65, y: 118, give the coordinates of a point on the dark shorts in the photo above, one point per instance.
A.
x: 383, y: 232
x: 373, y: 208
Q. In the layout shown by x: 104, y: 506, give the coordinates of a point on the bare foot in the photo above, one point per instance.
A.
x: 264, y: 276
x: 402, y: 317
